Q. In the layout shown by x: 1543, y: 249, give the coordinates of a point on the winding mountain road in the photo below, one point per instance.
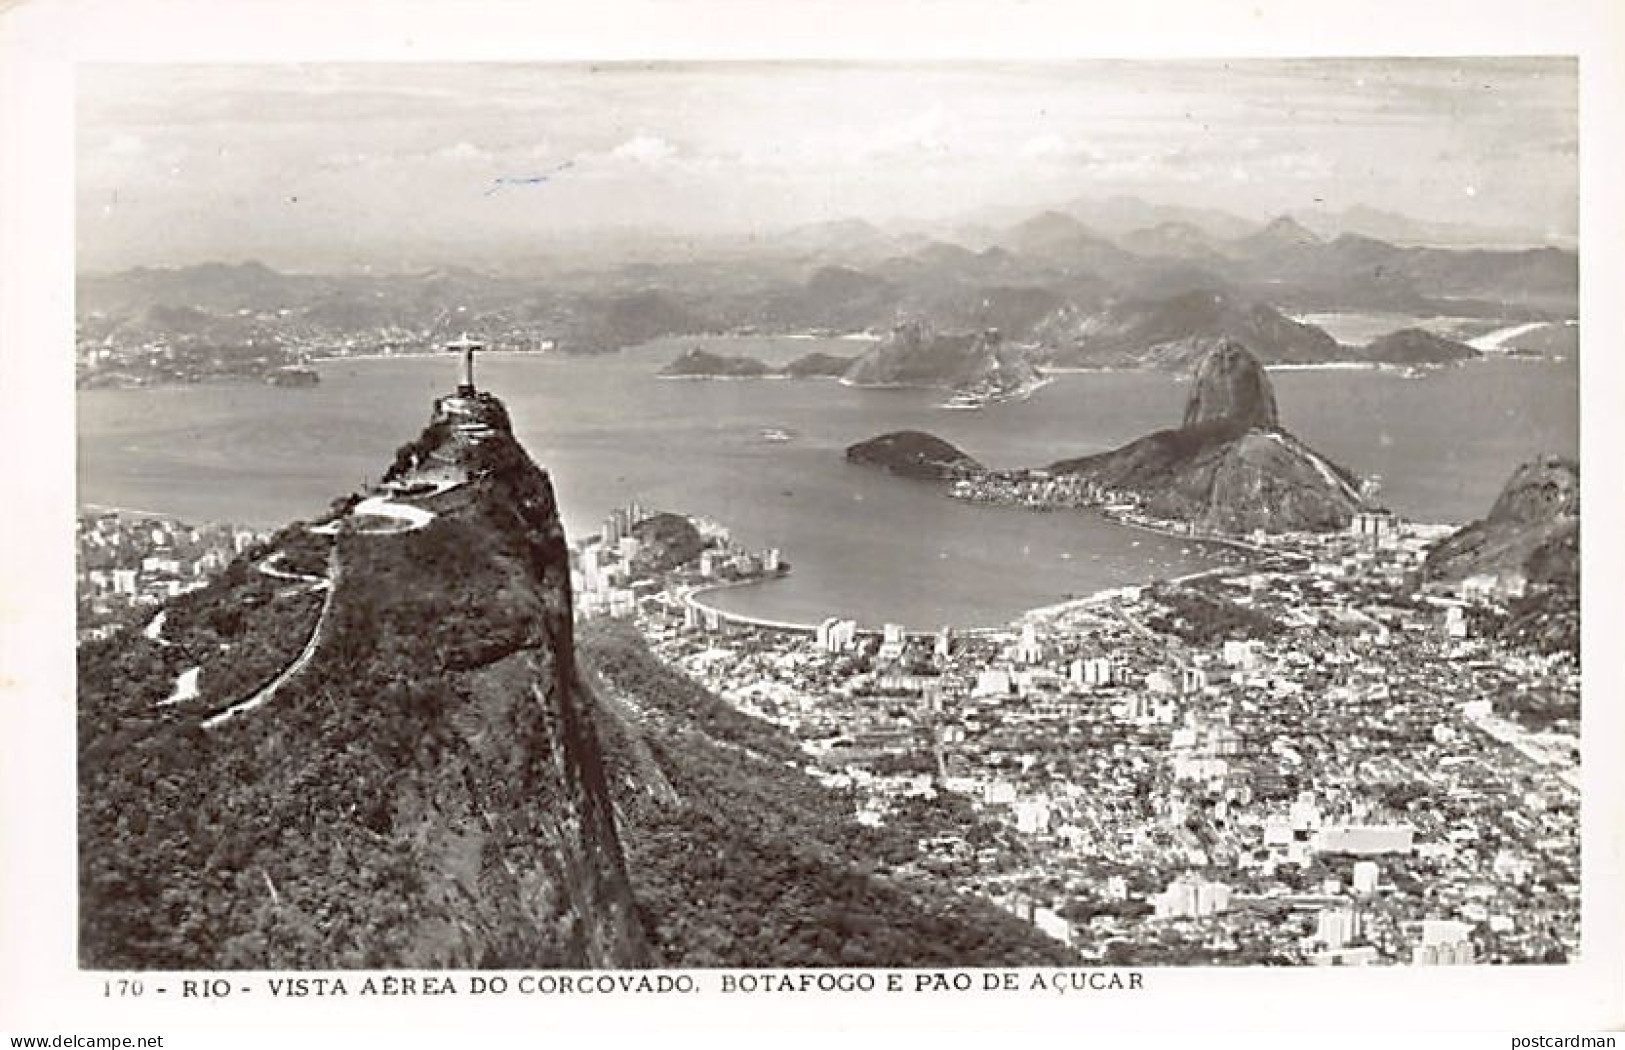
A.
x: 410, y: 517
x: 154, y: 631
x: 269, y: 690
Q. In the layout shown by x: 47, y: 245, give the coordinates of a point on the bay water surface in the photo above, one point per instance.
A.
x: 861, y: 543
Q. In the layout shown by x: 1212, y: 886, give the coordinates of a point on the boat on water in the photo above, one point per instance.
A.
x: 777, y: 435
x: 965, y: 400
x: 293, y: 376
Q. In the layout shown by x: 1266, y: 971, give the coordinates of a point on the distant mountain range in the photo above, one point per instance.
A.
x: 1151, y: 291
x: 1405, y: 229
x: 1118, y: 215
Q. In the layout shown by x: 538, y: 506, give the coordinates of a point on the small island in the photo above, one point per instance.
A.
x: 698, y: 363
x: 702, y: 364
x: 818, y: 366
x: 978, y: 367
x: 1417, y: 346
x: 914, y: 454
x: 294, y: 376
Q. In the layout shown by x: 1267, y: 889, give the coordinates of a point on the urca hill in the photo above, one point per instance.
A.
x: 378, y: 741
x: 1228, y: 467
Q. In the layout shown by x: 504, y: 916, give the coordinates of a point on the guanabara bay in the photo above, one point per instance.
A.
x: 909, y: 515
x: 378, y: 740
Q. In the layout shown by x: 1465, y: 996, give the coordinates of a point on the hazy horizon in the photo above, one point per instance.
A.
x: 301, y: 166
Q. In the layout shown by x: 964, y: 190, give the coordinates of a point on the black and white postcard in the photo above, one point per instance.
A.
x: 1077, y: 532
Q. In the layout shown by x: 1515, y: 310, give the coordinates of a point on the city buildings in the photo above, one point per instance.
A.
x: 1171, y: 793
x: 129, y: 564
x: 1337, y: 778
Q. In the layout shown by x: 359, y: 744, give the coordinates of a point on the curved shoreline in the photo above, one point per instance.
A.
x: 690, y: 598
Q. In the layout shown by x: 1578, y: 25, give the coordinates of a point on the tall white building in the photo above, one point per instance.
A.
x: 1032, y: 816
x: 836, y: 635
x: 1028, y: 651
x: 1376, y: 524
x: 1192, y: 897
x: 992, y: 681
x: 1443, y: 942
x: 1336, y: 927
x: 1092, y: 672
x: 1243, y: 655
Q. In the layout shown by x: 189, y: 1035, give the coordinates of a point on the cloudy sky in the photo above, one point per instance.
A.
x: 298, y: 164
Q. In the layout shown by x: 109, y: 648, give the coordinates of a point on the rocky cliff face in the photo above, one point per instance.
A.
x: 442, y: 779
x: 1269, y: 480
x: 1229, y: 467
x: 1532, y: 531
x: 1231, y: 385
x: 425, y: 790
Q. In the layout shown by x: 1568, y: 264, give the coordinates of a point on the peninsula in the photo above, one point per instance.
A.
x: 1229, y: 467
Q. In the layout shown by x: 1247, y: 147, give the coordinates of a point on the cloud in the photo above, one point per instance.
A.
x: 1062, y: 150
x: 1046, y: 146
x: 789, y: 142
x: 462, y: 151
x: 650, y: 150
x: 929, y: 131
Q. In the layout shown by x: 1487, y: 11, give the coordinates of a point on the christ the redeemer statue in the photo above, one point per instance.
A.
x: 469, y: 348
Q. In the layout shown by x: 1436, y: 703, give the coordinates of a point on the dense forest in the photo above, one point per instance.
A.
x: 444, y: 785
x: 1546, y: 620
x: 422, y: 795
x: 739, y: 858
x: 1199, y: 618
